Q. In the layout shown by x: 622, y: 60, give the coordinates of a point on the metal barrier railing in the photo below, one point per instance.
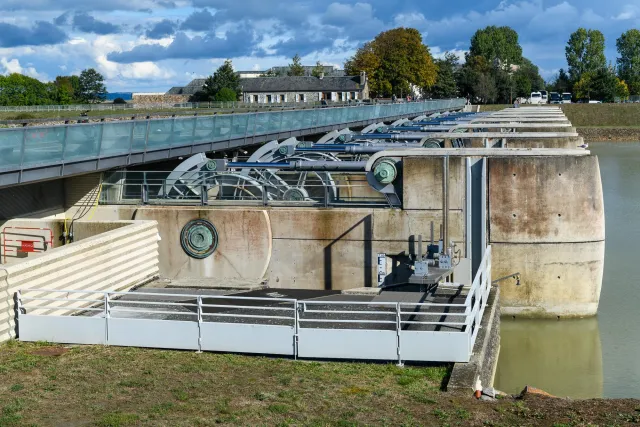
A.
x: 169, y: 105
x: 280, y: 188
x: 36, y: 146
x: 421, y: 331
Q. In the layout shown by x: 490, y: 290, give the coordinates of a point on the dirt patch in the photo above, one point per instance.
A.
x: 50, y: 351
x: 599, y: 134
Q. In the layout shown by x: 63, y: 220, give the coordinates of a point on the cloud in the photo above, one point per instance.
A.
x: 85, y: 5
x: 42, y: 33
x: 62, y: 19
x: 236, y: 43
x: 162, y: 29
x: 13, y: 66
x: 88, y: 24
x: 198, y: 21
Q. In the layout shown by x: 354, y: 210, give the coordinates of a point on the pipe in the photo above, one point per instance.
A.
x: 355, y: 148
x: 445, y: 203
x: 302, y: 165
x: 391, y: 136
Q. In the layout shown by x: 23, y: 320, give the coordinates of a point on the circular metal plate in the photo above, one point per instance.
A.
x: 199, y: 238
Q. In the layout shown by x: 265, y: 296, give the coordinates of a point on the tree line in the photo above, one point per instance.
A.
x: 588, y: 76
x: 494, y: 69
x: 18, y: 90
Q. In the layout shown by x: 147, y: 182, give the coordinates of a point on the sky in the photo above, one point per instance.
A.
x: 152, y: 45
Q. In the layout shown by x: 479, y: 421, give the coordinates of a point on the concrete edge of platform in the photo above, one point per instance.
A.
x: 484, y: 360
x: 362, y: 291
x: 228, y: 284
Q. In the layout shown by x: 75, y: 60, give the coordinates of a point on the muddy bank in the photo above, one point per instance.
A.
x: 593, y: 134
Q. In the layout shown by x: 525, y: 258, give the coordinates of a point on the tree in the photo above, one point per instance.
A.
x: 485, y: 88
x: 585, y: 53
x: 622, y: 90
x: 445, y: 85
x: 561, y: 83
x: 119, y: 101
x: 16, y: 89
x: 226, y: 95
x: 200, y: 96
x: 91, y: 86
x: 224, y: 77
x: 296, y: 68
x: 498, y: 45
x: 395, y: 61
x: 318, y: 70
x: 65, y: 93
x: 629, y: 60
x: 269, y: 73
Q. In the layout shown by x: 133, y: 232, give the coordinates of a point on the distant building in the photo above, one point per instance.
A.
x: 266, y: 90
x: 188, y: 90
x: 249, y: 74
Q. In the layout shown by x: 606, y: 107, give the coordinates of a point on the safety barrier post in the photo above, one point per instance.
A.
x: 296, y: 336
x: 199, y: 324
x: 398, y: 329
x: 107, y: 314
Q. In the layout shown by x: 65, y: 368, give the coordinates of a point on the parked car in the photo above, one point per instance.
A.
x: 535, y: 98
x: 555, y: 98
x: 545, y: 97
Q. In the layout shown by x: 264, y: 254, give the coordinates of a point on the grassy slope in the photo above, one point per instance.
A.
x: 594, y: 115
x: 111, y: 386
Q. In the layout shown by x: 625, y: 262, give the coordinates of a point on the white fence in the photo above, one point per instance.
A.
x: 435, y: 332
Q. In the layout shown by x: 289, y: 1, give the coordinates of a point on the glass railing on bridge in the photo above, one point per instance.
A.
x: 31, y: 147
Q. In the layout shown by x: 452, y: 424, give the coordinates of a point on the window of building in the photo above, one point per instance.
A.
x: 326, y: 96
x: 255, y: 98
x: 268, y: 99
x: 339, y: 96
x: 281, y: 98
x: 354, y: 95
x: 301, y: 97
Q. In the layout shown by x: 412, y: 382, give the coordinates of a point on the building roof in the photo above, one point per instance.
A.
x: 301, y: 84
x: 282, y: 84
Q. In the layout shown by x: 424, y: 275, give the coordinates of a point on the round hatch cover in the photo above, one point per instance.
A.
x: 199, y: 238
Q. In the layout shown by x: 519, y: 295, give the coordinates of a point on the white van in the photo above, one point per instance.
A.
x: 536, y: 98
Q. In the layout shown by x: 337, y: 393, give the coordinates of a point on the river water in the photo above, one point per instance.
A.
x: 600, y: 356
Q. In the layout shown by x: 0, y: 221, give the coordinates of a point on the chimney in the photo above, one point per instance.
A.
x: 363, y: 77
x: 321, y: 75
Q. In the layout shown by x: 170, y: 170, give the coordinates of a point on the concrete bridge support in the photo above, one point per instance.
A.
x: 546, y: 221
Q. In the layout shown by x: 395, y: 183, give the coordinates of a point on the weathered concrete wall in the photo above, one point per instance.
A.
x: 292, y: 247
x: 150, y: 99
x: 116, y: 260
x: 546, y: 221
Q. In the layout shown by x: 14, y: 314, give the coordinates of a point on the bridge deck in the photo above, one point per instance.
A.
x: 39, y: 153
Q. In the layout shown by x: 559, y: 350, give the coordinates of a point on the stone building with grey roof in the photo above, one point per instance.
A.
x: 266, y: 90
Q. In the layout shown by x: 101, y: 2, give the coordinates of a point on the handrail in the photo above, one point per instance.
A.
x: 23, y: 148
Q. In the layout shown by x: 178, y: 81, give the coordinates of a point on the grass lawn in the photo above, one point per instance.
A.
x: 47, y: 385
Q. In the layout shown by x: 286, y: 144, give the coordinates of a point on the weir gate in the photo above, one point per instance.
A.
x: 376, y: 242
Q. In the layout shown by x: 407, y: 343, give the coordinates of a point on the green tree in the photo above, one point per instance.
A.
x: 200, y: 96
x: 224, y: 77
x: 395, y: 61
x: 91, y: 86
x: 445, y: 85
x: 467, y: 76
x: 296, y: 68
x: 65, y: 89
x: 269, y: 73
x: 585, y: 53
x: 561, y: 83
x: 226, y: 95
x: 498, y: 45
x: 629, y: 60
x: 485, y: 89
x: 16, y: 89
x: 317, y: 70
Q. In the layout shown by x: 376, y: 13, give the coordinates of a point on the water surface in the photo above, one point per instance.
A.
x: 597, y: 357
